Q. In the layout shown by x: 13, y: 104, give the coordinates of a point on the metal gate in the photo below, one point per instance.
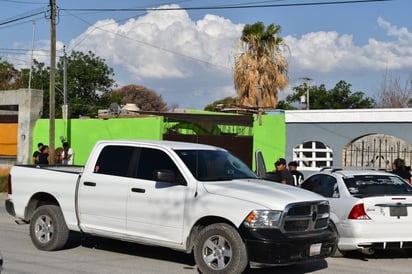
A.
x: 240, y: 146
x: 376, y: 151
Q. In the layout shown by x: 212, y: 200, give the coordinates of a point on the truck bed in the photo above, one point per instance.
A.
x: 62, y: 168
x: 32, y: 182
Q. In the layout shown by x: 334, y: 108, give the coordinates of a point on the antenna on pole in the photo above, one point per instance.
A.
x: 32, y: 49
x: 65, y: 108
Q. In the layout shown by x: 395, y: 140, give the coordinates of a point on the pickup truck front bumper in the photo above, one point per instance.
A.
x: 272, y: 247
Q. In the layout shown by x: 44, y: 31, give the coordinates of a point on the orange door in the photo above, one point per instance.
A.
x: 8, y: 139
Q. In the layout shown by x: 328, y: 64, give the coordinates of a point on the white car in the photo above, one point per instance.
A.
x: 371, y: 210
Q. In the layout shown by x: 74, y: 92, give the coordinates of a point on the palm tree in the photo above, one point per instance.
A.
x: 261, y: 70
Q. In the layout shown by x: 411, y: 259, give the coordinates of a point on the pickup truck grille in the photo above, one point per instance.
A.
x: 306, y: 217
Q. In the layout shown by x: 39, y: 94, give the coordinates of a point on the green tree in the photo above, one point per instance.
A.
x: 10, y: 77
x: 40, y: 79
x: 282, y: 104
x: 261, y: 68
x: 88, y: 77
x: 339, y: 97
x: 144, y: 98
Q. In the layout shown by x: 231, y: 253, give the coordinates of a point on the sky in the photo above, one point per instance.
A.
x: 187, y: 55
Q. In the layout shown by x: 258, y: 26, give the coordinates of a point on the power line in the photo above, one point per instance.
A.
x: 23, y: 2
x: 23, y: 16
x: 239, y: 6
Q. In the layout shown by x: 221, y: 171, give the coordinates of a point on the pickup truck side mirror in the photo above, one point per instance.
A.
x: 260, y: 164
x: 167, y: 175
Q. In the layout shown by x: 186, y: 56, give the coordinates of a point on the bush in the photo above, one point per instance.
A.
x: 4, y: 173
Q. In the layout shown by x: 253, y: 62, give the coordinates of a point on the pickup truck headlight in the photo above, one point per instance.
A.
x: 263, y: 219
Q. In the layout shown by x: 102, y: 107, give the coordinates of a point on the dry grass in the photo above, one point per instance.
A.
x: 4, y: 172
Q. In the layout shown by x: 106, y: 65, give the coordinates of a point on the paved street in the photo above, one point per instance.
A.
x: 96, y: 255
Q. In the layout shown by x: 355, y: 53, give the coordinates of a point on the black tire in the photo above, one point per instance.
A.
x: 220, y: 249
x: 48, y: 229
x: 332, y: 228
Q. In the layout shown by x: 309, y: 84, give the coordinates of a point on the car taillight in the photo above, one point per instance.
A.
x: 9, y: 185
x: 358, y: 213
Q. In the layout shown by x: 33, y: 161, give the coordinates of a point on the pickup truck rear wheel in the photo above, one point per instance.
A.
x: 220, y: 249
x: 48, y: 229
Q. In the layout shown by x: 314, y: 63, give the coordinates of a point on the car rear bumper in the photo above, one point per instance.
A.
x: 272, y: 247
x: 357, y: 235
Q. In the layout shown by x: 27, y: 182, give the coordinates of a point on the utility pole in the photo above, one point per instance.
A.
x: 307, y: 80
x: 260, y: 98
x: 52, y: 78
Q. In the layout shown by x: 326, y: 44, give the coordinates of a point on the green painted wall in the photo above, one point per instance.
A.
x: 270, y: 137
x: 85, y: 132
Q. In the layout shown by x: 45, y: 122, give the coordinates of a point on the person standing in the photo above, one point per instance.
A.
x: 58, y: 159
x: 37, y: 153
x: 285, y: 175
x: 399, y: 168
x: 44, y: 156
x: 67, y: 155
x: 297, y: 175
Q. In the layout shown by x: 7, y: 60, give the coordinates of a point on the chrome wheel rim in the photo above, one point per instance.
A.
x: 217, y: 252
x: 43, y: 229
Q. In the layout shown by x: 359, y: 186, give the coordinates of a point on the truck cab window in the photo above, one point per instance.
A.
x: 115, y: 160
x: 152, y: 160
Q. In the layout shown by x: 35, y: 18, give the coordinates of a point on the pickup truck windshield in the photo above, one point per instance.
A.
x: 214, y: 165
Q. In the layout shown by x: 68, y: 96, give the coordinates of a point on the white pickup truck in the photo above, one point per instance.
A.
x: 189, y: 197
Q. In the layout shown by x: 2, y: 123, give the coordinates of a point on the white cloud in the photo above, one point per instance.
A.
x: 190, y: 62
x: 328, y: 52
x: 162, y: 44
x: 403, y: 34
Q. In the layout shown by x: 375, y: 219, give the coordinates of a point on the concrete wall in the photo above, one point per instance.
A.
x: 30, y: 104
x: 337, y: 128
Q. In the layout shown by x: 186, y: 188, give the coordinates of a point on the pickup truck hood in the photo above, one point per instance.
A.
x: 265, y: 193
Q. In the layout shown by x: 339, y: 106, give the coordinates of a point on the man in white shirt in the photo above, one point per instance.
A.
x: 68, y: 154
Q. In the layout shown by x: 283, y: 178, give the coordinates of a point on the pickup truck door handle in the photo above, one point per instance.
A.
x: 89, y: 184
x: 139, y: 190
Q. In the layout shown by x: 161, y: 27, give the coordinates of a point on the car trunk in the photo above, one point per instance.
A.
x: 382, y: 209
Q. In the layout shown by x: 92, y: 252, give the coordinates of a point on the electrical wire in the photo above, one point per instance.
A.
x: 23, y: 16
x: 222, y: 7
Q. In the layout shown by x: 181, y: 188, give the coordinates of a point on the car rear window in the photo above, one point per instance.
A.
x: 370, y: 185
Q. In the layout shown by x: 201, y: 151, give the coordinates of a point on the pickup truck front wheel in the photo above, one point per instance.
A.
x: 48, y: 229
x: 220, y: 249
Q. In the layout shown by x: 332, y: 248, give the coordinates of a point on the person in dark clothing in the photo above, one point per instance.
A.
x: 297, y: 175
x: 37, y: 153
x: 399, y: 168
x: 44, y: 156
x: 273, y: 176
x: 281, y: 173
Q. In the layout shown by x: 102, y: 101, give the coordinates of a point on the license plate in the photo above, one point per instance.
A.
x: 314, y: 249
x: 398, y: 211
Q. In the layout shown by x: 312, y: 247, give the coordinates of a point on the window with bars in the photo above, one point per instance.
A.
x: 313, y: 155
